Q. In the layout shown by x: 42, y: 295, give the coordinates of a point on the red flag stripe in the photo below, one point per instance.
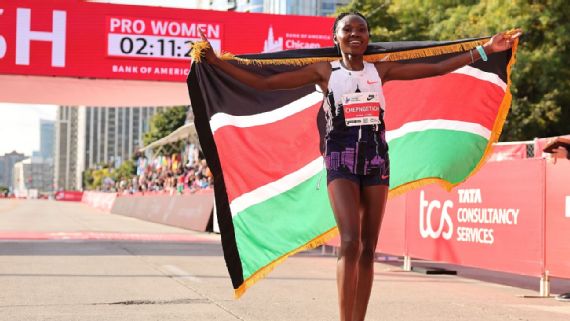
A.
x: 451, y: 97
x: 264, y: 153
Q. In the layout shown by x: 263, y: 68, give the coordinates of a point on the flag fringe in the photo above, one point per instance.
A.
x: 402, y: 189
x: 495, y: 134
x: 199, y: 46
x: 261, y: 273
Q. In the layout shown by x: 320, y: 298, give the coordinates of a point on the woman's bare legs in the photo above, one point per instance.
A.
x: 345, y: 200
x: 372, y: 206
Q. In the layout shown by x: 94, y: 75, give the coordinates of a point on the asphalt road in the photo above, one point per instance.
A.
x: 67, y: 261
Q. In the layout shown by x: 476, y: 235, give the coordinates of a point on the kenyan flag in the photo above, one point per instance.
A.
x: 265, y: 151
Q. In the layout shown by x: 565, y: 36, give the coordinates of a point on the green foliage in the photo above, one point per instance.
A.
x: 164, y: 123
x: 4, y: 189
x: 98, y: 176
x: 126, y: 171
x: 541, y: 77
x: 88, y: 179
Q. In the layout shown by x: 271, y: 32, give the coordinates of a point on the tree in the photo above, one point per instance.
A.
x: 541, y: 77
x: 164, y: 123
x: 126, y: 171
x: 88, y: 179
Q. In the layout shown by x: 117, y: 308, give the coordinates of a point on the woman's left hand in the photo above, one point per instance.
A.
x: 502, y: 41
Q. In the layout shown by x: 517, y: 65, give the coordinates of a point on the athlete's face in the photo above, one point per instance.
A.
x: 352, y: 35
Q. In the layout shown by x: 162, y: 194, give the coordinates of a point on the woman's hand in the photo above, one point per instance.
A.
x: 208, y: 53
x: 560, y: 152
x: 502, y: 41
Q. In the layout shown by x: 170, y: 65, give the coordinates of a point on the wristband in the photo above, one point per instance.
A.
x: 481, y: 52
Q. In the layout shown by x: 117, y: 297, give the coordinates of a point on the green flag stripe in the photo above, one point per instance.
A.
x: 268, y: 230
x: 446, y: 154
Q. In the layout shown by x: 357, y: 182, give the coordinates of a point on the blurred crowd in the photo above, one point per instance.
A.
x: 189, y: 178
x: 186, y: 172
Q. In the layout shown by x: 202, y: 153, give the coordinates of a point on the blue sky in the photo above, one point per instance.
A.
x: 20, y: 126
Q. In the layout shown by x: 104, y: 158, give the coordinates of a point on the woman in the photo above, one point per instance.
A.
x: 354, y: 107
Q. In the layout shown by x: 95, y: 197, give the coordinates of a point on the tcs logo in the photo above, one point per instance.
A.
x: 430, y: 209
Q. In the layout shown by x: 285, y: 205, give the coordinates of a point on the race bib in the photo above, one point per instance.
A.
x: 361, y: 108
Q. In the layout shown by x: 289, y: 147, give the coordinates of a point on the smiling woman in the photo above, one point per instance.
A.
x: 355, y: 147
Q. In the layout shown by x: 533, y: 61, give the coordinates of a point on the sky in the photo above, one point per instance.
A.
x: 20, y: 126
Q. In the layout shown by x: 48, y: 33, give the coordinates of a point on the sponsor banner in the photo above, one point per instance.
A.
x: 99, y: 200
x: 502, y: 152
x: 68, y: 196
x: 190, y: 211
x: 483, y: 222
x: 99, y: 40
x: 558, y: 218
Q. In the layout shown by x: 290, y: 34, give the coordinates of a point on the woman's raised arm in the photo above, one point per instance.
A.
x: 400, y: 71
x: 312, y: 74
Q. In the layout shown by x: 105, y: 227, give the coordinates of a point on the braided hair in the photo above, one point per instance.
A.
x: 350, y: 13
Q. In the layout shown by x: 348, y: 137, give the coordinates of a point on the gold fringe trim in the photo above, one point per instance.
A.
x: 261, y: 273
x: 197, y: 51
x: 425, y: 52
x: 390, y: 56
x: 495, y: 134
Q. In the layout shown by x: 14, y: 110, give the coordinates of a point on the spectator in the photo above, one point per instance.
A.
x: 561, y: 152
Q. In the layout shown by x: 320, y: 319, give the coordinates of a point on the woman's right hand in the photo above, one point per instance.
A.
x: 208, y: 52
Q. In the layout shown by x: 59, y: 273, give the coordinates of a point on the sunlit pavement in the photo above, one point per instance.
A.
x: 67, y: 261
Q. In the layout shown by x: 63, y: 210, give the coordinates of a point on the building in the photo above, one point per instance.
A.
x: 31, y: 178
x: 249, y: 5
x: 88, y: 136
x: 6, y: 167
x: 290, y: 7
x: 47, y: 138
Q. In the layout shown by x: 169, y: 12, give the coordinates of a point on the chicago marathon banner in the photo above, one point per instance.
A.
x: 265, y: 148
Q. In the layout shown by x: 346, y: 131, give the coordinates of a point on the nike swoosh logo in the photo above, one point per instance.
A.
x: 371, y: 82
x: 384, y: 176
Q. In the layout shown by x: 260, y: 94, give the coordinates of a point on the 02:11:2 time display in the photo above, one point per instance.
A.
x: 149, y: 46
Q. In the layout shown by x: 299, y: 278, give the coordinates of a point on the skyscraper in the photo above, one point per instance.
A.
x: 88, y: 136
x: 47, y: 138
x: 6, y: 165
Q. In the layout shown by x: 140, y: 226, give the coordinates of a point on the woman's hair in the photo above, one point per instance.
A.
x: 344, y: 14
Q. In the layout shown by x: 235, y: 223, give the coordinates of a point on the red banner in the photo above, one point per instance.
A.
x: 69, y: 196
x: 508, y: 151
x: 99, y: 200
x: 190, y: 211
x: 558, y: 218
x: 98, y: 40
x: 493, y: 221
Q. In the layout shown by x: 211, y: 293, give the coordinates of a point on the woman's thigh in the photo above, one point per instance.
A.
x: 344, y: 196
x: 373, y: 205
